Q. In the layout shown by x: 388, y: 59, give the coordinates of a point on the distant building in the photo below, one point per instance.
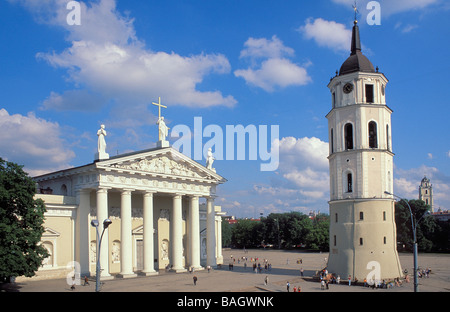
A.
x: 426, y: 192
x: 313, y: 214
x: 441, y: 215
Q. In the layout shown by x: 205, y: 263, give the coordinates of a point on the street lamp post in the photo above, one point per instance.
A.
x: 95, y: 224
x: 414, y: 227
x: 278, y: 226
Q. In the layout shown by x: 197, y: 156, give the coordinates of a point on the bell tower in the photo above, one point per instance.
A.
x: 362, y: 219
x: 426, y: 192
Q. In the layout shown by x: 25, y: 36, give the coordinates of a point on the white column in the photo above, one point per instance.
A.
x: 219, y: 257
x: 102, y: 214
x: 149, y: 253
x: 126, y: 242
x: 177, y: 234
x: 194, y: 232
x: 210, y: 232
x: 82, y: 244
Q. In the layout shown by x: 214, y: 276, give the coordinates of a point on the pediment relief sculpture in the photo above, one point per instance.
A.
x: 162, y: 165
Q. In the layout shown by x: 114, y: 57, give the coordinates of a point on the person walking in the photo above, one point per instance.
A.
x: 287, y: 286
x: 195, y: 280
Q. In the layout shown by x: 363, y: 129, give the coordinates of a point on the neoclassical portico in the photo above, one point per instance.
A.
x: 153, y: 198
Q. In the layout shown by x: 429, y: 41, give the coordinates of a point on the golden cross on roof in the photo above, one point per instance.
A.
x: 356, y: 10
x: 159, y: 106
x: 159, y: 116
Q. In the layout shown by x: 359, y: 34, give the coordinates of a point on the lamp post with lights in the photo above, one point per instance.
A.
x: 95, y: 224
x: 414, y: 228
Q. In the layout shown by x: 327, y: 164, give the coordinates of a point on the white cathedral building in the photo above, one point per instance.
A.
x: 362, y: 215
x: 160, y: 202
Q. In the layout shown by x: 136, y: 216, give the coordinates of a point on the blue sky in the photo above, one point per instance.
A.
x: 228, y: 62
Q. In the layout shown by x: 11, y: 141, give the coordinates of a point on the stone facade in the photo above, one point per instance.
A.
x: 160, y: 202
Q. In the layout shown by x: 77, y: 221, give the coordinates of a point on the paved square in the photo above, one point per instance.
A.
x: 285, y: 267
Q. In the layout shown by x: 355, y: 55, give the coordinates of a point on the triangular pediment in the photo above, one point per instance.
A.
x: 48, y: 232
x: 139, y: 230
x: 160, y: 162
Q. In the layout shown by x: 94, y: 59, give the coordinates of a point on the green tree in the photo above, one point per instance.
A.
x: 21, y: 223
x: 426, y: 224
x: 287, y: 229
x: 283, y: 230
x: 241, y: 235
x: 272, y: 226
x: 441, y: 237
x: 226, y: 233
x: 318, y: 237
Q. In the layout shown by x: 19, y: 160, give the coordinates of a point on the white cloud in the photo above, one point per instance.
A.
x: 275, y: 71
x: 405, y: 28
x: 264, y: 48
x: 304, y: 162
x: 303, y: 175
x: 106, y: 57
x: 302, y: 151
x: 136, y: 75
x: 77, y: 100
x: 406, y: 188
x: 392, y: 7
x: 33, y: 142
x: 272, y: 191
x: 327, y: 33
x: 309, y: 178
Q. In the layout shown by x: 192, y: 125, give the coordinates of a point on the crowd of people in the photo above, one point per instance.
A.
x: 255, y: 262
x: 327, y: 278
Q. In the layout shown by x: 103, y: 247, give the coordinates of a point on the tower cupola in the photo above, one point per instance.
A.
x: 356, y: 62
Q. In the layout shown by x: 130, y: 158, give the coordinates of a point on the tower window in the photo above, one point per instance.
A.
x: 334, y: 240
x: 384, y: 240
x: 361, y: 215
x: 349, y: 183
x: 373, y: 143
x: 348, y: 136
x: 384, y: 215
x: 361, y: 241
x: 388, y: 146
x: 336, y: 216
x: 369, y: 93
x: 332, y: 140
